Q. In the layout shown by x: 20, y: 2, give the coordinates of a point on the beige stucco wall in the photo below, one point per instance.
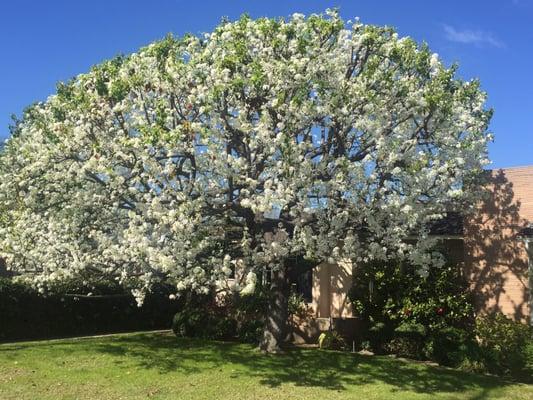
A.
x: 331, y: 283
x: 330, y: 303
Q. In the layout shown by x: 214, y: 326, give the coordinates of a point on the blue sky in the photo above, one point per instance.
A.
x: 43, y: 42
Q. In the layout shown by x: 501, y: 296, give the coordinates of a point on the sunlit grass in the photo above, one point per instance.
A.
x: 159, y: 366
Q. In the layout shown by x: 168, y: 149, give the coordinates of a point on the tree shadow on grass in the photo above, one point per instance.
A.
x: 300, y: 367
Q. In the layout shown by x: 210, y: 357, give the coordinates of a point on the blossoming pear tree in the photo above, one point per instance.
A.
x: 264, y: 140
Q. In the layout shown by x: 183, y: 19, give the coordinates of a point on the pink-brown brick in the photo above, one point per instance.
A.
x: 495, y: 255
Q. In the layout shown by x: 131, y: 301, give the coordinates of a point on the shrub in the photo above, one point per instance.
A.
x: 472, y: 361
x: 249, y: 312
x: 296, y: 304
x: 504, y: 343
x: 205, y: 317
x: 379, y: 334
x: 405, y: 347
x: 412, y: 330
x: 250, y: 331
x: 232, y: 316
x: 331, y: 340
x: 192, y: 321
x: 408, y: 340
x: 223, y: 317
x: 528, y: 370
x: 497, y: 345
x: 451, y: 346
x: 390, y: 294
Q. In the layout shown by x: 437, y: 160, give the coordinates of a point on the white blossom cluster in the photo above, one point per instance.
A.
x: 168, y: 164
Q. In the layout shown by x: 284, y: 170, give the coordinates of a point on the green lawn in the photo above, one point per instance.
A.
x: 159, y: 366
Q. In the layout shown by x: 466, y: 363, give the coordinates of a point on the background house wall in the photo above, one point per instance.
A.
x: 331, y: 284
x: 496, y: 259
x: 491, y: 250
x: 329, y: 306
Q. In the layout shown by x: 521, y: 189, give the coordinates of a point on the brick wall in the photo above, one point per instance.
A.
x: 495, y: 256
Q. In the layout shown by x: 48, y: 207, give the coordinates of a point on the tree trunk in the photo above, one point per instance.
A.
x: 276, y: 320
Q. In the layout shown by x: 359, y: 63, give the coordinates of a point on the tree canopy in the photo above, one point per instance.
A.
x: 262, y: 140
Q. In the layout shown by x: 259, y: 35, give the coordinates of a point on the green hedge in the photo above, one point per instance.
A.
x: 229, y: 317
x: 26, y: 314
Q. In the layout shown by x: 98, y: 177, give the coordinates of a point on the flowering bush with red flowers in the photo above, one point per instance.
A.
x: 393, y: 294
x: 432, y: 318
